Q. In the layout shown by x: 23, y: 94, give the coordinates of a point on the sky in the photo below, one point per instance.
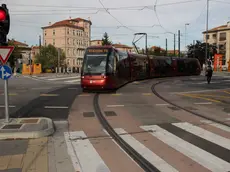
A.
x: 120, y: 18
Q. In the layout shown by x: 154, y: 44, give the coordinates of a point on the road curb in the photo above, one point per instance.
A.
x: 47, y: 129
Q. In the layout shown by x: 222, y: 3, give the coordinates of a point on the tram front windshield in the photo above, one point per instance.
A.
x: 95, y: 62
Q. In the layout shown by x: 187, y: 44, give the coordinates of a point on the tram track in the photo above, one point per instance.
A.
x: 139, y: 159
x: 153, y: 88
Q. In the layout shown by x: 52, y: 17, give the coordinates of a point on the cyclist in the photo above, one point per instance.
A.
x: 209, y: 72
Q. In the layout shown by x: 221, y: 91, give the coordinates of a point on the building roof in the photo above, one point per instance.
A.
x: 122, y: 46
x: 35, y: 47
x: 68, y: 23
x: 153, y: 47
x: 18, y: 43
x: 218, y: 28
x: 95, y: 40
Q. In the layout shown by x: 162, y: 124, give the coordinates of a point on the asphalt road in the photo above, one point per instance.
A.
x: 169, y: 138
x: 210, y: 100
x: 32, y: 98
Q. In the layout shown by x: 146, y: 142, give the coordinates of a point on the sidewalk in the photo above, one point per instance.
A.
x: 46, y: 154
x: 24, y: 144
x: 24, y: 155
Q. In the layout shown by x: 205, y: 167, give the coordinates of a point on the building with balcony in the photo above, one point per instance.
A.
x: 72, y: 36
x: 220, y: 37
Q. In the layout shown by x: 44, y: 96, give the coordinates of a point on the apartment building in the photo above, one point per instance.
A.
x: 220, y: 37
x: 23, y: 49
x: 72, y: 36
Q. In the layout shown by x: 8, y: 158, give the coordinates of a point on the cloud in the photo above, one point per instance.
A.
x: 27, y: 18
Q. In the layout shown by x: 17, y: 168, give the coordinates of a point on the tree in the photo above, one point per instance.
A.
x: 198, y: 51
x: 16, y: 54
x: 48, y: 57
x: 105, y: 40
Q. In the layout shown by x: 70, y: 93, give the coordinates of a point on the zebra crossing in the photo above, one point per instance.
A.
x: 202, y: 145
x: 64, y: 79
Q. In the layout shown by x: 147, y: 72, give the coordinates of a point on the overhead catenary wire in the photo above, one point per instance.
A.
x: 224, y: 2
x: 96, y: 8
x: 115, y: 17
x: 72, y: 9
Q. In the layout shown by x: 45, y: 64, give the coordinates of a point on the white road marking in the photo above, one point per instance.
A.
x: 57, y: 79
x: 43, y: 77
x: 198, y: 91
x: 115, y: 105
x: 10, y: 106
x: 71, y: 81
x: 72, y: 88
x: 162, y: 104
x: 72, y: 153
x: 56, y: 107
x: 227, y: 119
x: 203, y: 103
x: 207, y: 135
x: 85, y: 155
x: 200, y: 156
x: 145, y: 152
x: 44, y: 88
x: 199, y: 83
x: 220, y: 126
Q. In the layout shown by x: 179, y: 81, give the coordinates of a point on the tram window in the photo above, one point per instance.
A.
x: 168, y: 61
x: 122, y: 55
x: 181, y: 66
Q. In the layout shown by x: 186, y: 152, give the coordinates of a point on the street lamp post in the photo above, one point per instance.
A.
x: 206, y: 36
x: 185, y: 34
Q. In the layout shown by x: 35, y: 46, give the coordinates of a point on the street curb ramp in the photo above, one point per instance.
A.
x: 26, y: 130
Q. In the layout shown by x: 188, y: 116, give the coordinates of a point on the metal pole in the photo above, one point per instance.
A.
x: 146, y: 44
x: 58, y: 59
x: 185, y: 38
x: 206, y: 49
x: 174, y: 44
x: 178, y: 43
x: 6, y: 100
x: 185, y: 43
x: 194, y: 49
x: 166, y: 42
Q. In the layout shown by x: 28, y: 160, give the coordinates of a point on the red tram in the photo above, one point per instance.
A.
x: 105, y: 67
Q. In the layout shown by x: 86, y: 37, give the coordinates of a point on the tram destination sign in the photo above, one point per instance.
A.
x: 98, y: 50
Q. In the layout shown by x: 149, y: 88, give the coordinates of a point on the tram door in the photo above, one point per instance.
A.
x: 181, y: 66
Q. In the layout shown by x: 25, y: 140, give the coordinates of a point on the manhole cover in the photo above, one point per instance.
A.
x: 12, y: 126
x: 88, y: 114
x: 173, y: 108
x: 30, y: 121
x: 110, y: 113
x: 190, y: 108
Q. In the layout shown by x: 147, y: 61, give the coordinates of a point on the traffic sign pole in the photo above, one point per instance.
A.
x: 6, y: 94
x: 5, y: 51
x: 5, y: 74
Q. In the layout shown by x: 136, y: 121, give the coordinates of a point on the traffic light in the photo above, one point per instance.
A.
x: 4, y: 24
